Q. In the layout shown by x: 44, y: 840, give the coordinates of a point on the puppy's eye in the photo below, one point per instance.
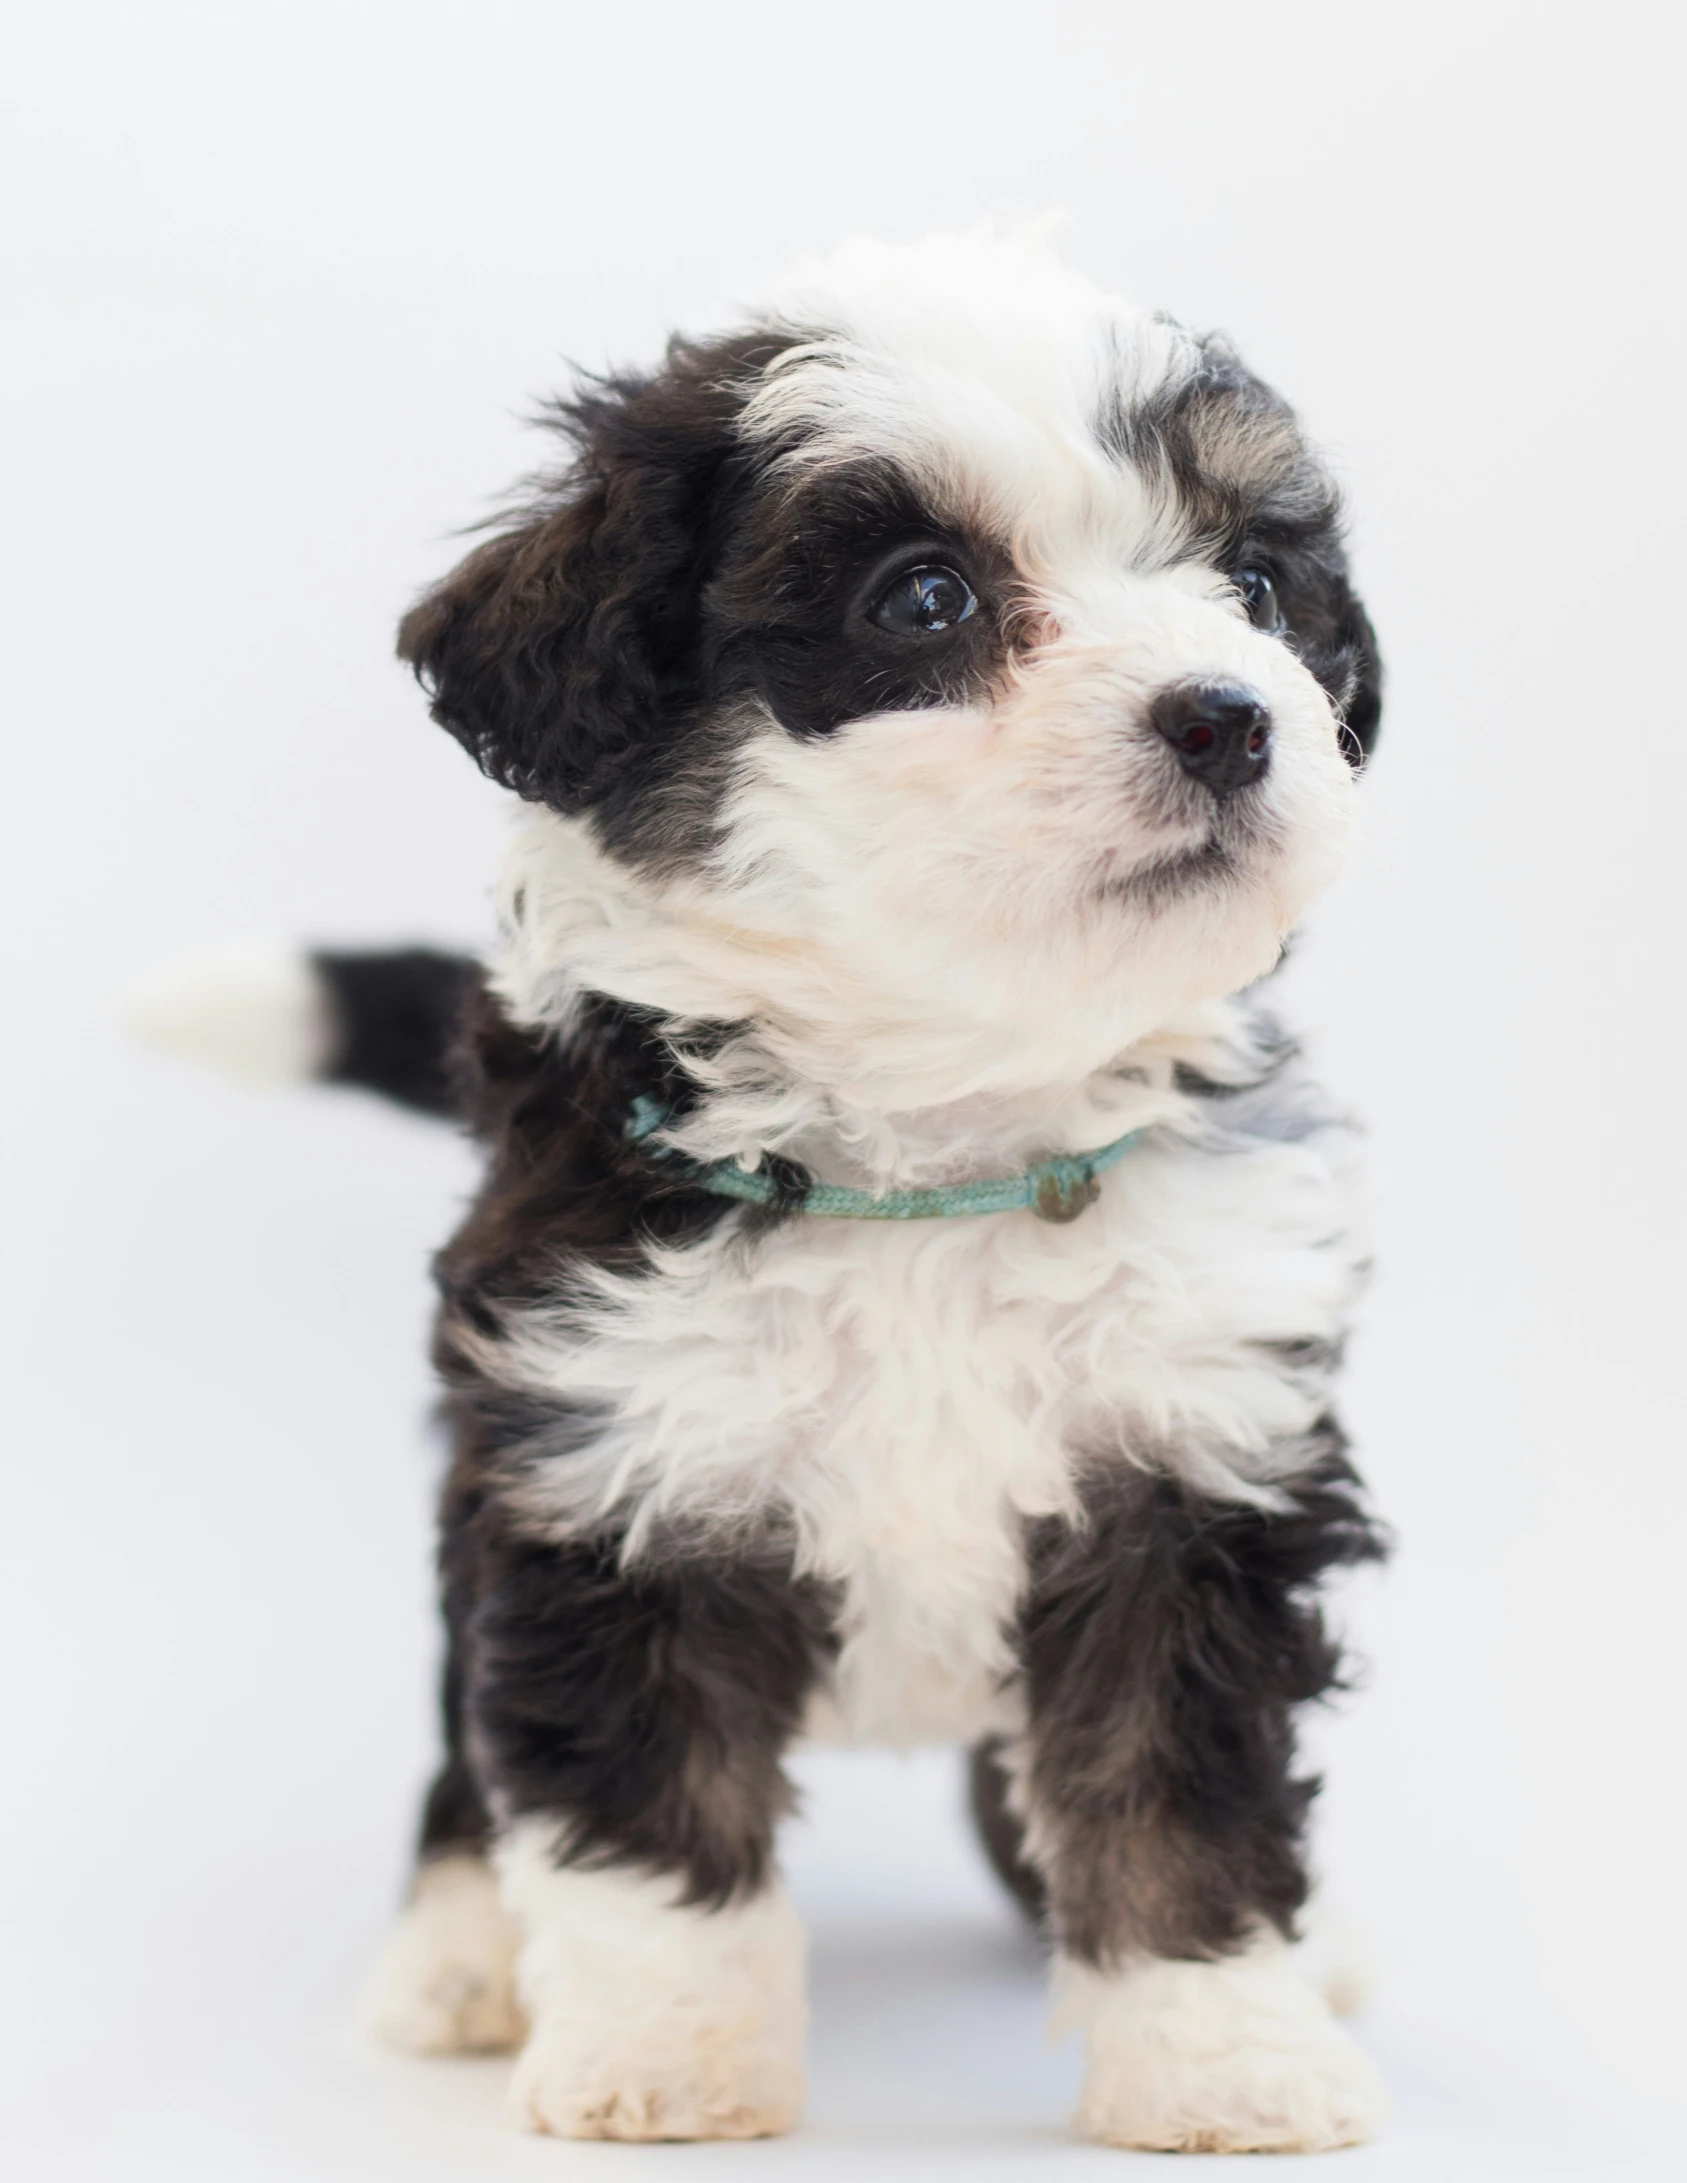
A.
x: 1259, y: 596
x: 922, y: 602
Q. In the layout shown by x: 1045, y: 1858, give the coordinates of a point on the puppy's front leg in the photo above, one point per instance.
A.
x: 652, y: 2017
x: 630, y: 1726
x: 1166, y: 1640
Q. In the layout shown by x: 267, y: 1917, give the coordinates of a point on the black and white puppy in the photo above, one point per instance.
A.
x: 937, y: 702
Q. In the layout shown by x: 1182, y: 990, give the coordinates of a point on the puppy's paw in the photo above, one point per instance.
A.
x: 444, y: 1982
x: 1237, y: 2056
x: 677, y: 2076
x: 652, y: 2017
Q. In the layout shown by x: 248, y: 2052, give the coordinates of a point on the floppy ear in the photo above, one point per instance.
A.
x: 531, y: 661
x: 570, y: 638
x: 1362, y: 714
x: 1335, y: 640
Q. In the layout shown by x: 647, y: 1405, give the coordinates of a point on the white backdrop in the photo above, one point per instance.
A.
x: 280, y: 281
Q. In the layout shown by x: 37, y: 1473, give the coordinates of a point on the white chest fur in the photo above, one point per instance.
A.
x: 904, y: 1396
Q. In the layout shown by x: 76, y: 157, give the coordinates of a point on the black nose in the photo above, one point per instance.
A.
x: 1220, y: 731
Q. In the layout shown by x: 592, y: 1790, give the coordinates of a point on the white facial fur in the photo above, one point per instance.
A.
x: 992, y: 897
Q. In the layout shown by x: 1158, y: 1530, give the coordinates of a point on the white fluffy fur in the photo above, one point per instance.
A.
x: 652, y: 2019
x: 252, y: 1010
x: 940, y: 925
x: 905, y: 1395
x: 955, y: 937
x: 945, y: 930
x: 444, y: 1982
x: 980, y: 362
x: 1236, y: 2056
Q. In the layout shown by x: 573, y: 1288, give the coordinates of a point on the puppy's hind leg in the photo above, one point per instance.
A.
x: 444, y: 1980
x: 1001, y: 1830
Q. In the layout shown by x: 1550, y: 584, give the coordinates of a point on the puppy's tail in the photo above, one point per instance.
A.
x: 267, y: 1015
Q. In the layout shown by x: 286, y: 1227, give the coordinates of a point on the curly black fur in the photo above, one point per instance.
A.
x: 1167, y: 1640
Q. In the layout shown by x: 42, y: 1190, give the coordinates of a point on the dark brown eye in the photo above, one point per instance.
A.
x: 923, y: 602
x: 1259, y: 596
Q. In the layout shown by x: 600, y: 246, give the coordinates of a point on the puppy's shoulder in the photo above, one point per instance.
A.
x: 564, y: 1181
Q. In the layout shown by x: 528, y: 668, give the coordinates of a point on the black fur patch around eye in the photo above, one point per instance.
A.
x: 790, y: 611
x: 589, y: 654
x: 1228, y: 452
x: 1324, y: 623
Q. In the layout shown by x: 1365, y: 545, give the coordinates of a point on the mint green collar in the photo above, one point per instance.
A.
x: 1057, y: 1189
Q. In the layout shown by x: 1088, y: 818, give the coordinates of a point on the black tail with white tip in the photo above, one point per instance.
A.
x: 383, y: 1020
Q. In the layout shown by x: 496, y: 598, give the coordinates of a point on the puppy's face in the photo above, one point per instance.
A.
x: 964, y: 662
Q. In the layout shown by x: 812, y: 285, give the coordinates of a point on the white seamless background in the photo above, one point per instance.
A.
x: 280, y: 281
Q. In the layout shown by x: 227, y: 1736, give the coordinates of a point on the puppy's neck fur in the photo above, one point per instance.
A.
x: 779, y: 1052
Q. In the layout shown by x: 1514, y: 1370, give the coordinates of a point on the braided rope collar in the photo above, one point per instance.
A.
x: 1057, y: 1189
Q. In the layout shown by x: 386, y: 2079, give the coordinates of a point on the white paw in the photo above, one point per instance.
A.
x: 444, y: 1981
x: 1238, y: 2056
x: 652, y: 2018
x: 664, y: 2077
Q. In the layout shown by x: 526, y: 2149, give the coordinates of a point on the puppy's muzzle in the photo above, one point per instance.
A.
x: 1220, y: 730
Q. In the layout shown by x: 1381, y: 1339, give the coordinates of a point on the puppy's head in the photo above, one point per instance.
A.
x: 961, y: 661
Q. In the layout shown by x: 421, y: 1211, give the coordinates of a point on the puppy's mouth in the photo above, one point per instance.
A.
x: 1178, y: 873
x: 1195, y: 839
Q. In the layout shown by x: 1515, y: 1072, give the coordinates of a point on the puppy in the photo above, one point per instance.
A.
x: 905, y: 1291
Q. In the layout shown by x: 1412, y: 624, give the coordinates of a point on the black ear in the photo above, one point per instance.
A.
x: 504, y: 648
x: 570, y: 639
x: 1333, y: 635
x: 1362, y: 712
